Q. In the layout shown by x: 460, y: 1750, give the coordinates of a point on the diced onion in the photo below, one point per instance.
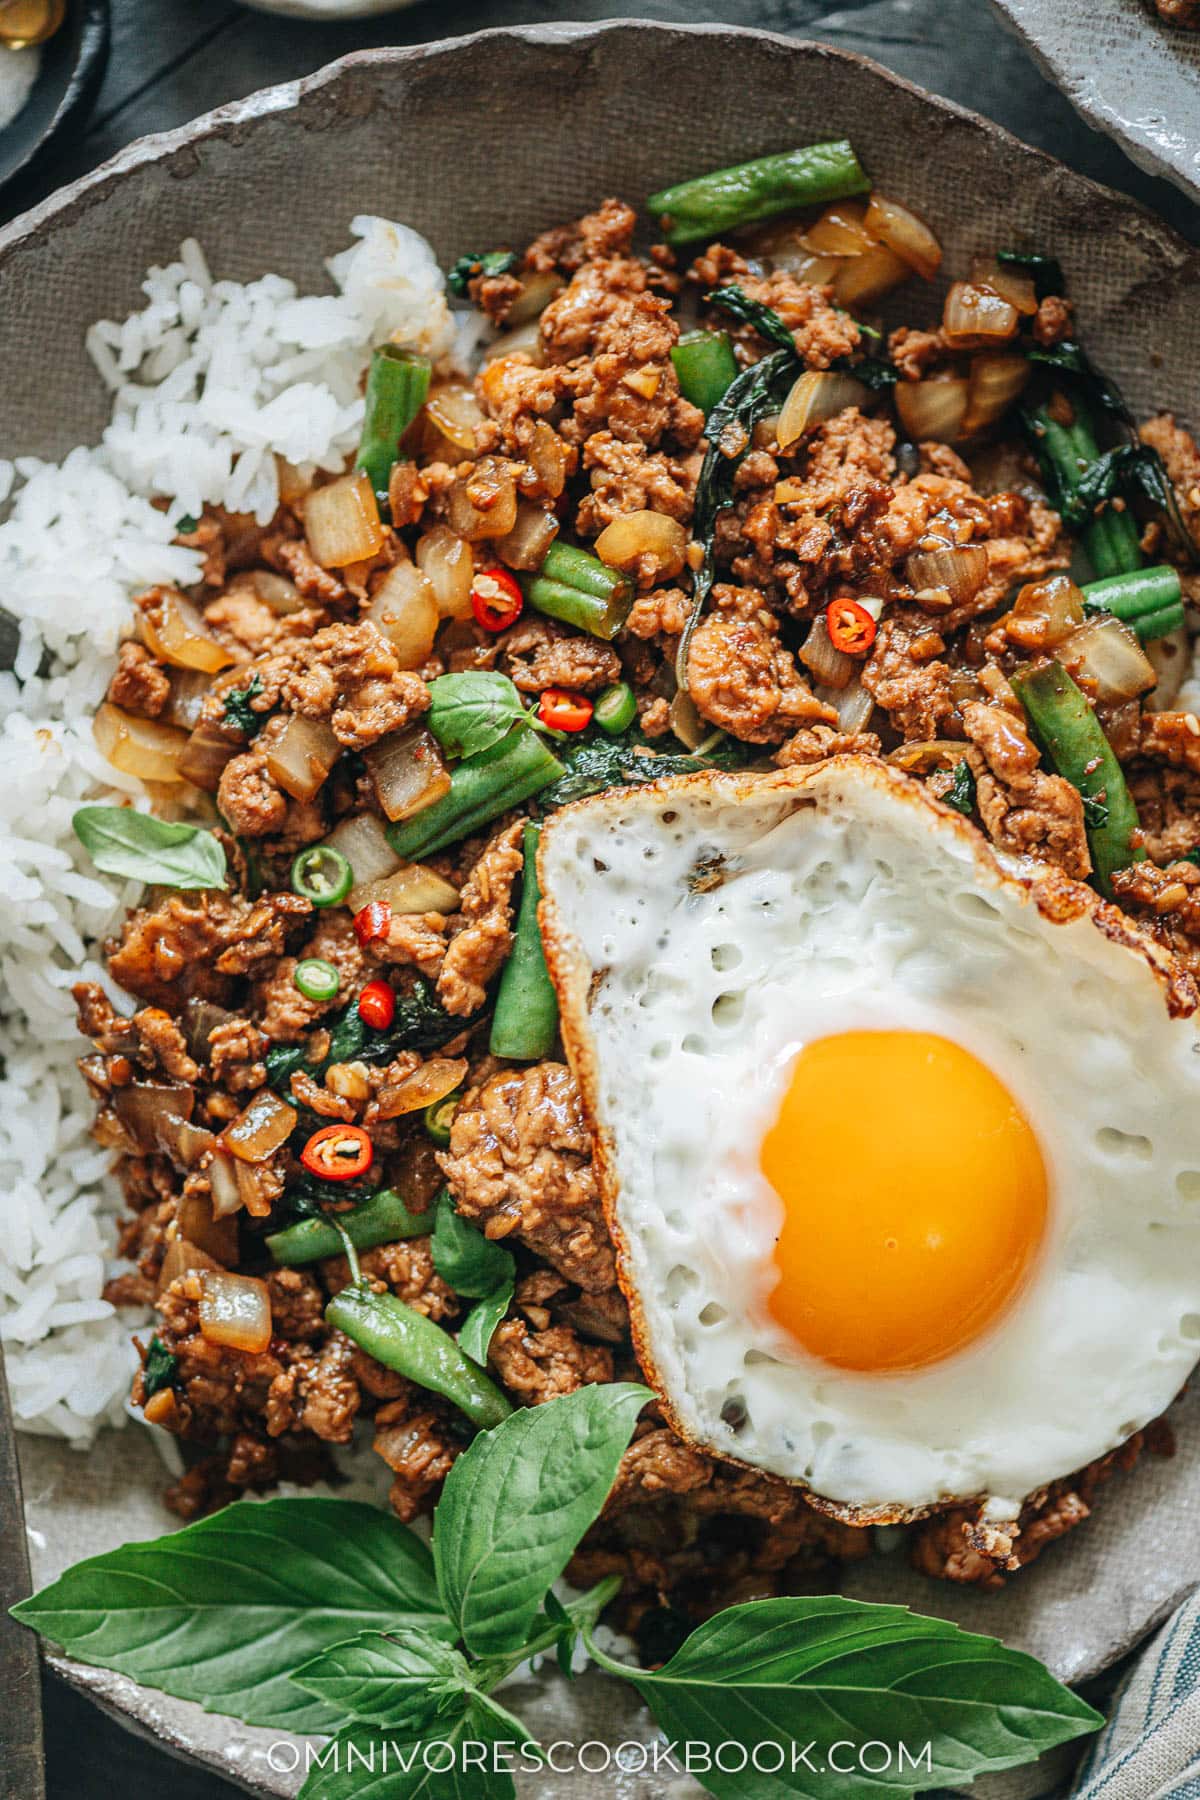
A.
x: 222, y: 1179
x: 405, y: 609
x: 525, y: 546
x: 784, y: 247
x: 928, y: 753
x: 409, y: 773
x: 1107, y: 661
x: 997, y: 377
x: 363, y: 842
x: 177, y: 632
x: 864, y: 279
x: 960, y: 569
x: 456, y: 413
x: 217, y: 1237
x: 161, y: 1408
x: 976, y: 316
x: 526, y: 340
x: 152, y: 1112
x: 932, y: 410
x: 814, y: 397
x: 1007, y: 280
x: 1044, y: 613
x: 273, y: 589
x: 413, y: 889
x: 235, y: 1310
x: 537, y: 291
x: 840, y: 230
x: 549, y: 458
x: 483, y: 503
x: 424, y: 1087
x: 854, y: 705
x: 189, y: 688
x: 182, y: 1258
x: 301, y: 757
x: 136, y: 746
x: 686, y: 723
x: 261, y: 1128
x: 341, y: 522
x: 447, y: 560
x: 624, y: 542
x: 906, y: 234
x: 254, y: 1188
x: 828, y: 665
x: 200, y: 1020
x: 1171, y: 658
x: 209, y: 748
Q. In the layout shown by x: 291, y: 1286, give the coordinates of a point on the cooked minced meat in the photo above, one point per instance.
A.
x: 588, y: 424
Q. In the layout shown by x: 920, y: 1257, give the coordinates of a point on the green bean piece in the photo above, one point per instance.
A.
x: 576, y: 587
x: 1069, y: 732
x: 397, y: 383
x: 705, y: 364
x: 382, y: 1219
x: 481, y: 788
x: 439, y: 1117
x: 525, y: 1022
x: 1150, y: 601
x: 712, y: 204
x: 412, y: 1345
x: 616, y: 708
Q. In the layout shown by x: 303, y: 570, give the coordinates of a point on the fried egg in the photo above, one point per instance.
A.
x: 899, y: 1139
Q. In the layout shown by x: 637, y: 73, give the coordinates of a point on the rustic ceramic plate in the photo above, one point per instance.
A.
x: 1127, y: 71
x: 573, y: 113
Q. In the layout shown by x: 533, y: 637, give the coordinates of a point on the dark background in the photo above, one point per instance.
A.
x: 172, y: 59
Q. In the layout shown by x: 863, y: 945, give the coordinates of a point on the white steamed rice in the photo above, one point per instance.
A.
x: 211, y: 381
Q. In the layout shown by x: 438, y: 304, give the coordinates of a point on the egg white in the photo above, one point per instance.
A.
x: 700, y: 932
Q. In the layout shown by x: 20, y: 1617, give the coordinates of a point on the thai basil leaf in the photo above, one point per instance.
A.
x: 158, y: 1370
x: 873, y: 371
x: 961, y: 792
x: 237, y: 706
x: 596, y: 763
x: 1070, y: 359
x: 764, y: 319
x: 400, y: 1678
x: 516, y: 1504
x: 471, y: 711
x: 1095, y: 812
x: 163, y: 852
x: 469, y: 1262
x: 476, y: 1333
x: 815, y: 1671
x: 1046, y: 271
x: 492, y: 262
x: 223, y: 1611
x: 1130, y: 468
x: 419, y: 1023
x: 364, y: 1763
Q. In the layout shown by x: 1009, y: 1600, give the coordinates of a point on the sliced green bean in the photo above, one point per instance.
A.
x: 715, y: 203
x: 1070, y: 734
x: 408, y: 1343
x: 525, y: 1022
x: 1150, y: 601
x: 576, y: 587
x: 481, y: 788
x: 397, y: 383
x: 382, y: 1219
x: 705, y: 364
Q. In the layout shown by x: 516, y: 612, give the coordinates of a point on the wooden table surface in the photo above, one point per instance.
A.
x: 172, y: 59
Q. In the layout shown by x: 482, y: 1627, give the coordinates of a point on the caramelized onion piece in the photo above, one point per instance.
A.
x: 137, y: 746
x: 182, y: 1258
x: 235, y: 1310
x: 255, y: 1190
x: 975, y: 316
x: 686, y: 722
x: 624, y: 542
x: 424, y: 1087
x: 414, y: 889
x: 1106, y: 660
x: 537, y: 291
x: 526, y: 340
x: 178, y: 634
x: 341, y: 522
x: 409, y: 773
x: 828, y: 665
x: 261, y: 1128
x: 301, y: 757
x: 1007, y: 280
x: 841, y: 230
x: 906, y: 234
x: 861, y: 280
x: 405, y: 609
x: 210, y: 747
x: 453, y: 409
x: 549, y: 458
x: 483, y: 503
x: 446, y: 559
x: 153, y: 1113
x: 198, y: 1224
x: 1044, y: 613
x: 525, y: 546
x: 932, y: 411
x: 222, y: 1179
x: 814, y: 397
x: 960, y: 571
x: 363, y: 842
x: 997, y: 377
x: 928, y: 753
x: 189, y: 689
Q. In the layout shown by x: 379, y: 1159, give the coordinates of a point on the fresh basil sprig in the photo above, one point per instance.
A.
x: 471, y: 711
x: 163, y: 852
x: 476, y: 1267
x: 323, y: 1615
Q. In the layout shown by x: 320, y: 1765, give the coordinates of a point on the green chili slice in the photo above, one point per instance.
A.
x: 316, y: 979
x: 439, y: 1117
x: 322, y: 875
x: 616, y: 709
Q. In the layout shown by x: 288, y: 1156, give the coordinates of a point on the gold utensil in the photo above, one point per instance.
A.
x: 24, y: 23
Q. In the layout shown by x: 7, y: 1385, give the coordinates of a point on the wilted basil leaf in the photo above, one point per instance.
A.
x: 164, y: 852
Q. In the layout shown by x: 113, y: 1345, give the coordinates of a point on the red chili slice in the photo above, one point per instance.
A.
x: 562, y: 710
x: 372, y: 921
x: 377, y: 1005
x: 496, y: 599
x: 338, y: 1152
x: 851, y: 627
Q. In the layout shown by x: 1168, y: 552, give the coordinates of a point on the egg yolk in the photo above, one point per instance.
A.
x: 914, y: 1198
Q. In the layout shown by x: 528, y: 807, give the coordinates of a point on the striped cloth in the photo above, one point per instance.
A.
x: 1150, y: 1748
